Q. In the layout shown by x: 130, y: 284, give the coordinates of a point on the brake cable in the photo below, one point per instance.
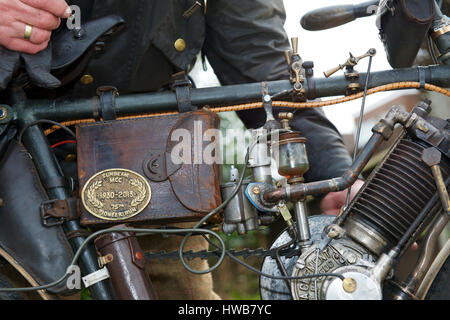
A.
x: 358, y: 130
x: 326, y: 239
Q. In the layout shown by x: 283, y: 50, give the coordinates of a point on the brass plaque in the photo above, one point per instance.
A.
x: 116, y: 194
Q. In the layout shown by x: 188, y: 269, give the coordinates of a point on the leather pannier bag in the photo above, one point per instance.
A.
x: 403, y: 29
x: 128, y: 174
x: 40, y: 253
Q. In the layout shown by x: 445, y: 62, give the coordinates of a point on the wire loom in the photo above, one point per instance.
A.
x: 283, y: 104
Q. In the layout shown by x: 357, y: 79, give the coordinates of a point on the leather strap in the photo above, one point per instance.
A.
x: 78, y: 233
x: 182, y: 87
x: 309, y: 73
x: 422, y: 76
x: 107, y: 102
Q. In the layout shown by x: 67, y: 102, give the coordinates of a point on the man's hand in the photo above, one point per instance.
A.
x: 43, y: 15
x: 333, y: 202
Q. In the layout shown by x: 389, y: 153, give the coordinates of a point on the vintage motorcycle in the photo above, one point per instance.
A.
x: 89, y: 213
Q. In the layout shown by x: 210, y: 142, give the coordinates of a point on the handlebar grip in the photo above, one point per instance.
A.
x: 334, y: 16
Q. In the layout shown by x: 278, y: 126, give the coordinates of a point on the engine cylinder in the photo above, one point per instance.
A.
x: 394, y: 195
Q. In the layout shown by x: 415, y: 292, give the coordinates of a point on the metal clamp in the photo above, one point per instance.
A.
x: 107, y: 100
x: 56, y: 212
x: 254, y: 191
x: 104, y: 260
x: 295, y: 69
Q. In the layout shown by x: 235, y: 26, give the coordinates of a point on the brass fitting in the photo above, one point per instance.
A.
x: 285, y: 117
x: 349, y: 285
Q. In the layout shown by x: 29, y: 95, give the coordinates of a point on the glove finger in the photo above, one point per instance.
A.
x: 9, y: 63
x: 38, y: 67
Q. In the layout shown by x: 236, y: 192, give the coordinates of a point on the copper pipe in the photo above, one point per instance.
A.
x: 301, y: 190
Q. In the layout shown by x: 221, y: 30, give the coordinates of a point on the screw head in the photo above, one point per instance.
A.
x: 349, y: 285
x: 78, y: 33
x: 301, y: 264
x: 351, y: 259
x: 333, y: 233
x: 256, y: 190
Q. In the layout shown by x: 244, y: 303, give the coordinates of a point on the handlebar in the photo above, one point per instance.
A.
x: 144, y: 103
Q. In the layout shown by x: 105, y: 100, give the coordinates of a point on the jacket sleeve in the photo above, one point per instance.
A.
x: 245, y: 42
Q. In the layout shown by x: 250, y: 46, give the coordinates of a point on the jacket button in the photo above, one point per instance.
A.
x: 179, y: 45
x: 87, y: 79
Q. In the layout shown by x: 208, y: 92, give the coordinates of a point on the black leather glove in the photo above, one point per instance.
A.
x: 37, y: 66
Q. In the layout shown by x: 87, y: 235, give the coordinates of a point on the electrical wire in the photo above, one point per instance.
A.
x: 40, y: 121
x: 60, y: 143
x: 431, y: 50
x: 316, y: 268
x: 138, y: 231
x: 271, y: 276
x: 278, y: 258
x: 223, y: 205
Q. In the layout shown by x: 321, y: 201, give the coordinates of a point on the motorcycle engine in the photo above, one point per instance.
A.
x: 342, y: 255
x: 380, y: 214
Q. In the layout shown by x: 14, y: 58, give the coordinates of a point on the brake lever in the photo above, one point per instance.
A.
x: 350, y: 63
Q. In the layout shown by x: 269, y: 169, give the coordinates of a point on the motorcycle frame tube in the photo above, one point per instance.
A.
x: 142, y: 103
x: 47, y: 166
x: 433, y: 270
x: 412, y: 283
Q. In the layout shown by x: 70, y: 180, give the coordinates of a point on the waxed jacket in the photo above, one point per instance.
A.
x: 244, y: 41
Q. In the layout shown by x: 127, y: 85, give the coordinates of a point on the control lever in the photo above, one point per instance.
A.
x: 271, y: 122
x: 294, y: 62
x: 350, y: 63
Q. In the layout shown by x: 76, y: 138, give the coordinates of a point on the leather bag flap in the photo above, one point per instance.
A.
x: 196, y: 184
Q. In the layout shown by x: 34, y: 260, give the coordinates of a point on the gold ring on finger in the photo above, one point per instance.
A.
x: 28, y: 31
